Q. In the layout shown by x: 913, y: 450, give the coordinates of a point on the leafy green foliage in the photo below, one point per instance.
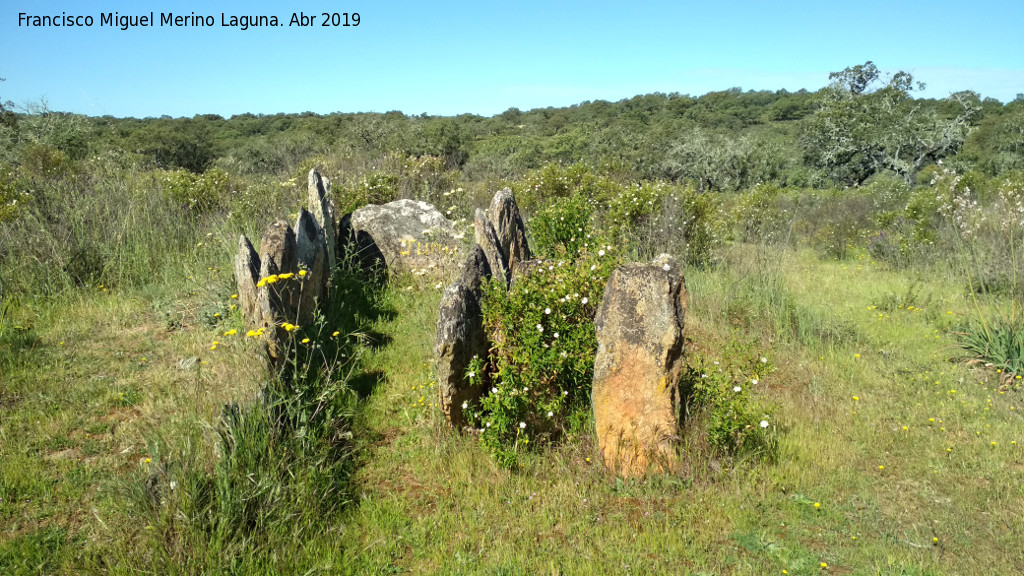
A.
x: 375, y: 188
x: 561, y: 229
x: 542, y: 368
x: 721, y: 400
x: 861, y: 128
x: 998, y: 342
x: 198, y: 193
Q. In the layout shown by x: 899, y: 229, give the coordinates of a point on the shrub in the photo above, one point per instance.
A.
x: 198, y: 193
x: 12, y: 196
x: 558, y: 181
x: 998, y: 343
x: 757, y: 215
x: 561, y: 229
x: 377, y: 188
x: 542, y: 366
x: 721, y: 400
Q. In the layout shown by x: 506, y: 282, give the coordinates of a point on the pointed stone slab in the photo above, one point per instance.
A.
x: 508, y: 225
x: 461, y: 337
x: 321, y: 206
x: 311, y: 257
x: 635, y: 395
x: 277, y: 256
x: 487, y: 239
x: 247, y: 274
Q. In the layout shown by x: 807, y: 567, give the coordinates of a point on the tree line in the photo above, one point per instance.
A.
x: 863, y: 123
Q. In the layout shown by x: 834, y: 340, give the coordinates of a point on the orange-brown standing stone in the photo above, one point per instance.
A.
x: 636, y: 371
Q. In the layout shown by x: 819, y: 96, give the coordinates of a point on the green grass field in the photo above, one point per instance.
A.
x: 895, y: 456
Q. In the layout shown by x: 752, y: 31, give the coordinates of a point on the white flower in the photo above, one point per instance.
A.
x: 471, y: 374
x: 753, y: 381
x: 585, y: 300
x: 540, y: 328
x: 550, y: 414
x: 666, y: 267
x: 556, y: 334
x: 525, y: 389
x: 547, y: 310
x: 565, y: 392
x: 600, y: 252
x: 764, y: 423
x: 522, y: 425
x: 494, y: 390
x: 465, y: 405
x: 488, y: 424
x: 764, y: 360
x: 593, y: 267
x: 737, y: 389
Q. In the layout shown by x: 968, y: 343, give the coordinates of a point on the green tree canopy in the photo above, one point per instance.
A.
x: 865, y: 124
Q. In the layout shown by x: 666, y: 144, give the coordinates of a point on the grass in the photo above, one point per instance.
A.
x: 82, y: 417
x: 118, y: 454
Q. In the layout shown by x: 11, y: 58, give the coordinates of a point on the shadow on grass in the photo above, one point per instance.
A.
x: 284, y: 461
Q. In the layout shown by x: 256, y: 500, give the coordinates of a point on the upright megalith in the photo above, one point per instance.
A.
x: 274, y: 298
x: 409, y: 236
x: 509, y: 228
x: 501, y: 250
x: 247, y: 274
x: 636, y: 371
x: 487, y: 239
x: 460, y: 338
x: 281, y: 285
x: 321, y: 206
x: 310, y: 257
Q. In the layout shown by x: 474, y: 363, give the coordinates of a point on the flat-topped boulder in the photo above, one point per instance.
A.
x: 635, y: 395
x: 409, y: 236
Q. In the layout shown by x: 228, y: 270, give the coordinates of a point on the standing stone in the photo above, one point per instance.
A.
x: 247, y: 274
x: 508, y: 224
x: 636, y: 372
x: 460, y: 338
x: 277, y: 256
x: 321, y: 206
x: 309, y: 250
x: 487, y: 239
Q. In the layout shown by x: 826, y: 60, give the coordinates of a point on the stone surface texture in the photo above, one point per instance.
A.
x: 321, y: 206
x: 409, y: 235
x: 461, y: 337
x: 508, y: 225
x: 636, y: 371
x: 487, y: 239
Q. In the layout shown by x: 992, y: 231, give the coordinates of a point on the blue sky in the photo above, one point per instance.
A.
x: 455, y: 57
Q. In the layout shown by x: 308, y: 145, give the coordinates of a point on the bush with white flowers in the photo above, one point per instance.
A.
x: 542, y: 365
